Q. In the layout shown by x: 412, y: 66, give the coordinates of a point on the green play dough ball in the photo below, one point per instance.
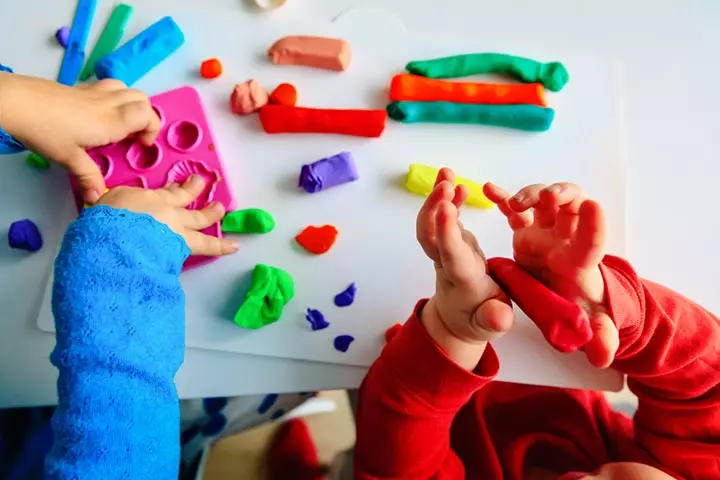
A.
x: 251, y: 220
x: 36, y: 161
x: 271, y: 289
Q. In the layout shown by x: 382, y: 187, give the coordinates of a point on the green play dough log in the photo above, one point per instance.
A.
x: 530, y: 118
x: 251, y: 220
x: 271, y: 289
x: 552, y: 75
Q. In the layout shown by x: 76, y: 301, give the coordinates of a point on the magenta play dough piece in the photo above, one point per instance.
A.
x: 185, y: 146
x: 342, y: 342
x: 328, y: 172
x: 316, y: 319
x: 63, y: 35
x: 346, y: 297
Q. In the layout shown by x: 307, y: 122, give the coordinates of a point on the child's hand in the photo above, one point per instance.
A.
x: 468, y: 309
x: 559, y: 237
x: 60, y: 122
x: 167, y: 205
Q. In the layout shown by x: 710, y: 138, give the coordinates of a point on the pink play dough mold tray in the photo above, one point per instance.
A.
x: 184, y: 147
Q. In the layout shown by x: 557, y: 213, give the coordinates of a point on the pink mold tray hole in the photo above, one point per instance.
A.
x: 141, y: 157
x: 184, y: 135
x: 183, y: 169
x: 105, y: 164
x: 158, y: 111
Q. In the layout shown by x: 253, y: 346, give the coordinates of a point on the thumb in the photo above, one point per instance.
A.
x: 88, y: 176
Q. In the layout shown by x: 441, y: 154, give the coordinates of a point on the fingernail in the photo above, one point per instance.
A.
x: 233, y: 247
x: 195, y: 181
x: 91, y: 197
x: 519, y: 198
x: 555, y: 188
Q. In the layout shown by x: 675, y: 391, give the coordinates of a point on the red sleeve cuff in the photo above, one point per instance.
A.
x: 423, y: 368
x: 625, y: 298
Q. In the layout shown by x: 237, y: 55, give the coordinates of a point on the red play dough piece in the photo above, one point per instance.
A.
x: 284, y: 94
x: 292, y: 454
x: 211, y: 68
x: 361, y: 123
x: 392, y: 331
x: 317, y: 240
x: 563, y: 323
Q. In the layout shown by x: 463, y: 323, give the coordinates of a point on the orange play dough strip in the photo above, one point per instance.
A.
x: 406, y: 87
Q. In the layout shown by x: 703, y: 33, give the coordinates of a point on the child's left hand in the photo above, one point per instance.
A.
x: 468, y: 309
x: 60, y: 122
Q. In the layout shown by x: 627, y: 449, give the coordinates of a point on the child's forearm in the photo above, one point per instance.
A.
x: 8, y: 142
x: 119, y: 315
x: 670, y: 349
x: 407, y: 404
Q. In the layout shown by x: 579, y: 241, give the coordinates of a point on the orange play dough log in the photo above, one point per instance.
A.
x: 317, y: 52
x: 360, y: 123
x: 406, y: 87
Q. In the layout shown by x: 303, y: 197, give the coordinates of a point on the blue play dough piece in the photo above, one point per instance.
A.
x: 74, y: 57
x: 346, y: 297
x: 62, y: 36
x: 316, y: 319
x: 342, y: 342
x: 141, y: 53
x: 5, y: 68
x: 216, y: 425
x: 24, y: 234
x: 277, y: 414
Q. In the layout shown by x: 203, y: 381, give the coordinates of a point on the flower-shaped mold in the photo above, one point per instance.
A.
x: 105, y: 163
x: 141, y: 157
x: 184, y: 135
x: 183, y: 169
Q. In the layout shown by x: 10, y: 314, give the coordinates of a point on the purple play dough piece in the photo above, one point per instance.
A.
x: 24, y: 234
x: 342, y: 342
x: 328, y: 172
x: 62, y: 36
x: 316, y: 319
x: 346, y: 297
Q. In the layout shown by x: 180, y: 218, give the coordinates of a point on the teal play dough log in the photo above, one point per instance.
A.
x: 530, y: 118
x: 552, y: 75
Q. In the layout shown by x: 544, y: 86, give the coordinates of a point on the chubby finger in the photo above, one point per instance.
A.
x: 425, y: 224
x: 567, y: 197
x: 88, y: 175
x: 604, y: 345
x: 109, y: 85
x: 185, y: 194
x: 138, y: 117
x: 456, y: 256
x: 208, y: 245
x: 587, y: 246
x: 200, y: 219
x: 493, y: 318
x: 500, y: 197
x: 544, y: 213
x: 460, y: 195
x: 445, y: 174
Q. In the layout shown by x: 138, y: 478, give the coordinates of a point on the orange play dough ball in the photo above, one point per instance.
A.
x: 211, y: 68
x: 284, y: 94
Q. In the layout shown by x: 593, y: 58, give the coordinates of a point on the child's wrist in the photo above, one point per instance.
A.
x: 465, y: 354
x: 6, y: 95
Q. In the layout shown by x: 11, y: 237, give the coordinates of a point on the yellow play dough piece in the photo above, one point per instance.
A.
x: 421, y: 179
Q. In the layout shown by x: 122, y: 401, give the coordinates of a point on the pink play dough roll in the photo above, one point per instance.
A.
x: 317, y: 52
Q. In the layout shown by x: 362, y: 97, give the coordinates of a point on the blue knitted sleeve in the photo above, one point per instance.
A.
x: 120, y: 321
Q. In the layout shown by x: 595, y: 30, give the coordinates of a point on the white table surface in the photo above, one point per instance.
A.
x: 670, y: 53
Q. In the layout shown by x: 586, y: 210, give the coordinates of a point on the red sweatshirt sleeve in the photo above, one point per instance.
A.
x: 407, y: 404
x: 670, y: 349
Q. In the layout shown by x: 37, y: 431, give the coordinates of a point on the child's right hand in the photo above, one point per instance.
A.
x: 167, y: 205
x: 468, y: 309
x: 559, y: 237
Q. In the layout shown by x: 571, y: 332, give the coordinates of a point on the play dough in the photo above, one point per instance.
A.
x: 317, y: 52
x: 552, y: 75
x: 530, y: 118
x: 346, y: 297
x: 328, y: 172
x: 251, y: 220
x: 421, y: 180
x: 421, y: 89
x: 25, y: 235
x: 270, y: 291
x: 248, y: 97
x: 360, y: 123
x: 317, y: 240
x: 284, y: 94
x: 316, y: 319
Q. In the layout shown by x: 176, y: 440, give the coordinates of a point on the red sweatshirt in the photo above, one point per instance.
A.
x: 421, y: 416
